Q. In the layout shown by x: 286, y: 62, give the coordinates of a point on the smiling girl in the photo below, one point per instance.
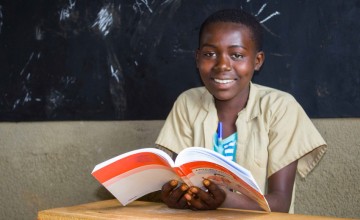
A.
x: 265, y: 129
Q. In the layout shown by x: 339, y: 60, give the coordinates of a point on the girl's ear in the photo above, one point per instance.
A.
x: 259, y: 60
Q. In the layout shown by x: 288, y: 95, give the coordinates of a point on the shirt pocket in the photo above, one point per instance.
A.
x: 259, y: 142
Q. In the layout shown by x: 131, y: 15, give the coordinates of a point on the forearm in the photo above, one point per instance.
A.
x: 280, y: 188
x: 276, y: 201
x: 239, y: 201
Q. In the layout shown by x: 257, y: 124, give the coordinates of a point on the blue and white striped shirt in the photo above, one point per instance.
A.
x: 226, y: 147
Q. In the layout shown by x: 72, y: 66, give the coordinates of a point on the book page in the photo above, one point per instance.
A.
x: 121, y: 156
x: 139, y: 182
x: 197, y: 164
x: 136, y: 173
x: 192, y: 154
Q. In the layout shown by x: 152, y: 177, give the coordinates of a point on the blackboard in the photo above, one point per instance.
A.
x: 130, y: 59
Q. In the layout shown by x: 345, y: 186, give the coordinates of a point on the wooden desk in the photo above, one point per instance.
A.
x: 111, y: 209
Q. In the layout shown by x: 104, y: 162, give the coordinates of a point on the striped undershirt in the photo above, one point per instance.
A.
x: 226, y: 147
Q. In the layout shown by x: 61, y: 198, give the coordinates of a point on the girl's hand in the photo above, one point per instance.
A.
x: 201, y: 200
x: 173, y: 196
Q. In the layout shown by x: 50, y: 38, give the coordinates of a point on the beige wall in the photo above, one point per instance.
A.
x: 48, y: 164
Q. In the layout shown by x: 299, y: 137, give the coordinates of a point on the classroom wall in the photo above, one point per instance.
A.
x: 48, y: 164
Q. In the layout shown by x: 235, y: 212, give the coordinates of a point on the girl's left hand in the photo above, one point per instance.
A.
x: 201, y: 200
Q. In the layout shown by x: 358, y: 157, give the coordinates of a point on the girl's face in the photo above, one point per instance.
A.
x: 226, y: 59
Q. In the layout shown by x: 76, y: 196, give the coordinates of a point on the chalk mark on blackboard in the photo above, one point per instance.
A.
x: 117, y: 86
x: 54, y: 100
x: 166, y: 2
x: 179, y: 50
x: 137, y: 6
x: 27, y: 98
x: 261, y: 9
x: 270, y: 16
x: 68, y: 80
x: 104, y: 19
x: 16, y: 104
x: 114, y: 73
x: 279, y: 54
x: 27, y: 63
x: 39, y: 34
x: 65, y: 12
x: 322, y: 90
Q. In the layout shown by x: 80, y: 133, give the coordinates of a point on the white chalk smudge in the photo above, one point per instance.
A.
x: 39, y: 35
x: 166, y: 2
x: 179, y: 50
x: 280, y: 54
x: 16, y: 103
x: 104, y: 19
x: 54, y: 100
x: 27, y: 97
x: 270, y: 16
x: 138, y: 5
x: 261, y: 9
x: 114, y: 73
x: 65, y: 12
x: 27, y: 63
x: 68, y: 81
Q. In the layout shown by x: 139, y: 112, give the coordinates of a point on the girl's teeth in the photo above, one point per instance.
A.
x: 223, y: 81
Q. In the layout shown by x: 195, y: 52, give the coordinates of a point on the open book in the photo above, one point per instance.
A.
x: 134, y: 174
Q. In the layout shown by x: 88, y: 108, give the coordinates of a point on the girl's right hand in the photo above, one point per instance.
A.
x: 173, y: 196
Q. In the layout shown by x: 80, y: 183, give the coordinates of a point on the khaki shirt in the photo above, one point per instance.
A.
x: 273, y: 131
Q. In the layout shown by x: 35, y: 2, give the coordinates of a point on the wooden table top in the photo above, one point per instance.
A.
x: 112, y: 209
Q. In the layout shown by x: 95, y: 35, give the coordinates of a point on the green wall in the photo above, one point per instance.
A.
x: 48, y: 164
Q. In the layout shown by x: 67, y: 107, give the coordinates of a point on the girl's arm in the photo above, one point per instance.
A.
x: 280, y: 188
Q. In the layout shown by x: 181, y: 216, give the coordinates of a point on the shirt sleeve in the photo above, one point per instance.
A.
x: 176, y: 134
x: 293, y: 137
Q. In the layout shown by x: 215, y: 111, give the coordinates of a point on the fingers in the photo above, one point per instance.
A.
x: 180, y: 196
x: 168, y: 187
x: 205, y: 200
x: 172, y: 194
x: 214, y: 189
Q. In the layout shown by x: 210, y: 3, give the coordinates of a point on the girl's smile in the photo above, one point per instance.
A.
x: 223, y: 84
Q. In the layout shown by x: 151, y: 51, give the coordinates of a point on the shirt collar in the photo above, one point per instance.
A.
x: 252, y: 108
x: 253, y: 105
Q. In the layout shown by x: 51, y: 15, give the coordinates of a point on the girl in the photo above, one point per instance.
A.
x: 264, y: 129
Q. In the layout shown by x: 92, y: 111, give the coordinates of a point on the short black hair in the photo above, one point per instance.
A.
x: 236, y: 16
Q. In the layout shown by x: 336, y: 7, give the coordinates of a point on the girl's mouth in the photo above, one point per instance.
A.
x: 224, y: 81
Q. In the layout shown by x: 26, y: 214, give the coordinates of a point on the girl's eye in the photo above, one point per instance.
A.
x: 237, y: 56
x: 209, y: 54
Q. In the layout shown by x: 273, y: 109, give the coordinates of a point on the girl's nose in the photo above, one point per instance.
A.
x: 223, y: 64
